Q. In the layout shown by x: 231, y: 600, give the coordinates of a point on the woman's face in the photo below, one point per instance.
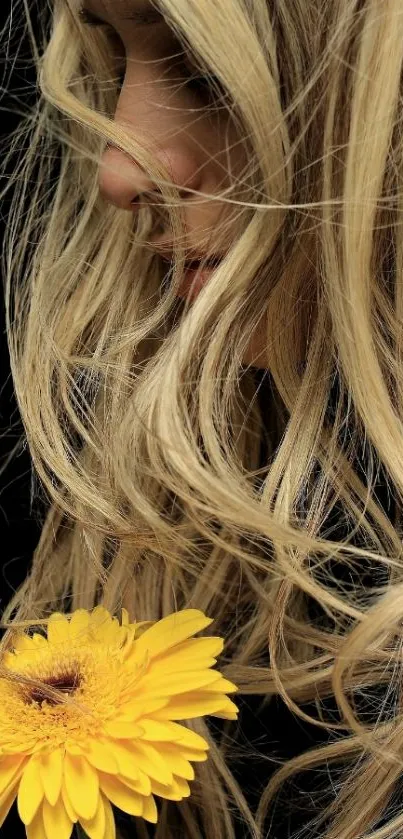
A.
x: 199, y: 144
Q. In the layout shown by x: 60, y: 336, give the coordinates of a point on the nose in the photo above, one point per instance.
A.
x: 122, y: 182
x: 181, y: 137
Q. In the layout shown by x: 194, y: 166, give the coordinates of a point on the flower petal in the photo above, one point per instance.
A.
x: 175, y: 683
x: 36, y: 828
x: 150, y: 812
x: 100, y: 615
x: 169, y: 631
x: 192, y: 754
x: 141, y: 626
x: 51, y: 772
x: 173, y: 792
x: 68, y: 805
x: 142, y: 784
x: 73, y: 748
x: 7, y: 800
x: 82, y: 787
x: 30, y: 792
x: 120, y: 795
x: 122, y: 730
x: 125, y: 617
x: 56, y: 821
x: 134, y: 708
x: 124, y: 756
x: 182, y: 786
x: 188, y: 706
x: 40, y: 642
x: 79, y: 625
x: 108, y: 632
x: 9, y: 660
x: 100, y: 624
x: 110, y: 826
x: 133, y: 631
x: 126, y: 641
x: 205, y: 646
x: 221, y: 685
x: 186, y: 737
x: 175, y: 664
x: 11, y: 767
x: 58, y: 629
x: 100, y: 755
x: 150, y: 761
x: 24, y: 643
x: 179, y: 765
x: 155, y: 730
x: 95, y: 828
x: 229, y: 711
x: 191, y: 652
x: 25, y: 746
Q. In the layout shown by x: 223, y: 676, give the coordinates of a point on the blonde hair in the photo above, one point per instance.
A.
x: 142, y: 422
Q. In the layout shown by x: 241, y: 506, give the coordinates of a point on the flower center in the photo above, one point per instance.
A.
x: 68, y: 682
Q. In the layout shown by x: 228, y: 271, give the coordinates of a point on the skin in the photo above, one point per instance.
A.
x: 200, y: 147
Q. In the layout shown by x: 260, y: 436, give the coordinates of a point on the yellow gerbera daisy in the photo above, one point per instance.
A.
x: 111, y: 736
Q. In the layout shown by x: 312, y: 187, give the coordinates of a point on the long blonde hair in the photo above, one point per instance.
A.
x: 143, y: 423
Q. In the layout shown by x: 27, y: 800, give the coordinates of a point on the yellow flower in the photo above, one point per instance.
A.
x: 111, y: 738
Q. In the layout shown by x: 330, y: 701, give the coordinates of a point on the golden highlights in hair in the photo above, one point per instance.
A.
x: 142, y: 418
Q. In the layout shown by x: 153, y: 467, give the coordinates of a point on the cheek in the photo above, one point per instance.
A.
x: 229, y: 138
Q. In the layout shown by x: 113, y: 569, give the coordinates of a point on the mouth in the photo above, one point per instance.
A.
x: 196, y: 272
